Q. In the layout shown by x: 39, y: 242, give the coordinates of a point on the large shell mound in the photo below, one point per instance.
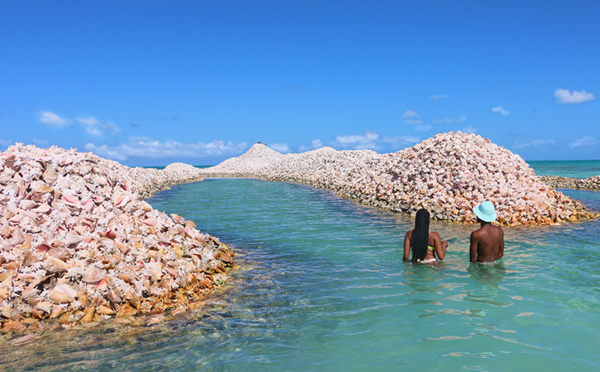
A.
x: 452, y: 172
x: 77, y: 242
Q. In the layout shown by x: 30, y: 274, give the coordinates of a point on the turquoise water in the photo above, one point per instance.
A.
x: 322, y: 286
x: 566, y: 168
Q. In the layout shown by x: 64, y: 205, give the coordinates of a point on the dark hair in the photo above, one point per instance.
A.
x: 420, y: 235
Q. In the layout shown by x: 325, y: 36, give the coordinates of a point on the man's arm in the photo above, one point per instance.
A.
x: 501, y: 249
x: 473, y: 249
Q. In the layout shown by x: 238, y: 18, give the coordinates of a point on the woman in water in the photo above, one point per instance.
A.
x: 427, y: 246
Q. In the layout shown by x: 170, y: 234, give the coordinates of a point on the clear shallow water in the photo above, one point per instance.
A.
x: 566, y: 168
x: 322, y: 286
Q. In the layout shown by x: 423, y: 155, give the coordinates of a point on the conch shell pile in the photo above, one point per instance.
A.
x: 591, y: 183
x: 447, y: 174
x: 78, y: 243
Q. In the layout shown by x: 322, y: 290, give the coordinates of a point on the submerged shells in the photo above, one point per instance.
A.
x: 78, y: 243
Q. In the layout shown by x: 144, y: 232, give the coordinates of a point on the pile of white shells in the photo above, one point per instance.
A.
x: 78, y: 243
x: 448, y: 174
x: 591, y: 183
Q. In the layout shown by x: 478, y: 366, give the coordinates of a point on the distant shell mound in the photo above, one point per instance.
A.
x: 78, y: 244
x: 448, y: 175
x: 591, y: 183
x: 259, y: 156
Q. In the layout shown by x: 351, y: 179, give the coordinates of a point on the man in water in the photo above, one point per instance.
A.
x: 487, y: 243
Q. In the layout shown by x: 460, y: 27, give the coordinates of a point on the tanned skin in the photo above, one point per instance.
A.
x: 487, y: 243
x: 434, y: 241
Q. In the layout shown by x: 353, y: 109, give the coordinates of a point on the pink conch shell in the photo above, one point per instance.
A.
x: 45, y: 306
x: 121, y: 200
x: 42, y: 208
x: 154, y: 270
x: 7, y: 156
x: 27, y: 204
x: 15, y: 220
x: 93, y: 275
x: 43, y: 247
x: 71, y: 201
x: 87, y: 204
x: 63, y: 293
x: 191, y: 232
x: 80, y: 229
x: 66, y: 160
x: 150, y: 221
x: 55, y: 265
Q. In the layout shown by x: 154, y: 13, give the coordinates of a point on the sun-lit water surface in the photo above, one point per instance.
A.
x: 322, y: 285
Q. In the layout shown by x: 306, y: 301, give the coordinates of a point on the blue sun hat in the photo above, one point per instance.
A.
x: 485, y: 211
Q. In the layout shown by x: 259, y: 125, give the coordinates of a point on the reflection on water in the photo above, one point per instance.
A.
x: 322, y: 285
x: 489, y: 274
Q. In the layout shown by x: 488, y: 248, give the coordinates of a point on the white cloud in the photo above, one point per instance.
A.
x: 357, y: 142
x: 534, y: 143
x: 91, y: 125
x: 449, y: 120
x: 316, y: 144
x: 438, y: 97
x: 411, y: 117
x: 283, y: 148
x: 39, y: 142
x: 114, y: 153
x: 422, y: 128
x: 585, y: 142
x: 469, y: 130
x: 95, y: 127
x: 149, y: 148
x: 401, y: 141
x: 501, y: 110
x: 51, y: 118
x: 445, y: 120
x: 565, y: 97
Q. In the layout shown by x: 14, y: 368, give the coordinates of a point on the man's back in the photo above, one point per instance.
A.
x: 487, y: 243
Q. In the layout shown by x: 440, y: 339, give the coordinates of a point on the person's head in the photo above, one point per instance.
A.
x: 420, y: 236
x: 485, y: 212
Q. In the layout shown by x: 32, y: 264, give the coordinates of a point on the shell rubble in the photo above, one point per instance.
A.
x: 447, y: 174
x: 78, y: 243
x: 591, y: 183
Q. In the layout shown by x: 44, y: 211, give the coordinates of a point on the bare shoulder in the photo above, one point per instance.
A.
x: 408, y: 234
x: 477, y: 235
x: 434, y: 234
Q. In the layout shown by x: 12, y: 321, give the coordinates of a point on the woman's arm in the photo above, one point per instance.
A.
x: 407, y: 245
x: 439, y: 245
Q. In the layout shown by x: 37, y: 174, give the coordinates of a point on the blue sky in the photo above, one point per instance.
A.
x: 152, y: 82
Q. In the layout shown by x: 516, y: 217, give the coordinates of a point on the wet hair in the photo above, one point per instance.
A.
x: 419, y: 240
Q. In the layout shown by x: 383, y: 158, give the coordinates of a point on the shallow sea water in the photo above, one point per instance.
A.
x: 322, y: 286
x: 566, y: 168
